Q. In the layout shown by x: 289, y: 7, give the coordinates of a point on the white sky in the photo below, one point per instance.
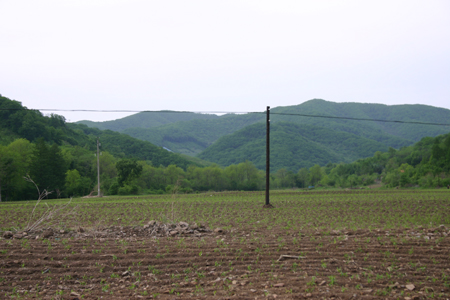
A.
x: 222, y: 55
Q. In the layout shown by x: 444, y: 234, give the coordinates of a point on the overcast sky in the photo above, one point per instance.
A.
x: 222, y: 55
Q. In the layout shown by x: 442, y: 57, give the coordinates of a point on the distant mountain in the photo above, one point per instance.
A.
x: 148, y: 120
x: 194, y: 136
x: 395, y: 135
x: 293, y: 146
x: 125, y: 146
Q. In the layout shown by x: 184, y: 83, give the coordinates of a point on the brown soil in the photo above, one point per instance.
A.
x: 134, y: 263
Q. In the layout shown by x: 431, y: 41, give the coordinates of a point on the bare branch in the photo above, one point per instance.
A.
x: 50, y: 213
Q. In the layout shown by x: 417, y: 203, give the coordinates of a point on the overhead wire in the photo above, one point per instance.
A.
x: 361, y: 119
x: 130, y: 111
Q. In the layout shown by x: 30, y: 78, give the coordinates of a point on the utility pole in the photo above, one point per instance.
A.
x: 98, y: 168
x: 267, y: 205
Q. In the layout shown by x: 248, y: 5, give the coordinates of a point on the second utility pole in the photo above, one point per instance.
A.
x: 98, y: 168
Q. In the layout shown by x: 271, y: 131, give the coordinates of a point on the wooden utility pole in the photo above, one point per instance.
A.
x: 267, y: 205
x: 98, y: 168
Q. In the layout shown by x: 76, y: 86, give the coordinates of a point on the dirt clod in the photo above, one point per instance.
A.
x: 183, y: 224
x: 47, y: 233
x: 279, y: 285
x: 7, y: 234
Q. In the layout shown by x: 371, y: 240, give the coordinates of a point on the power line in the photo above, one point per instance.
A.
x: 361, y: 119
x: 129, y: 111
x: 224, y: 112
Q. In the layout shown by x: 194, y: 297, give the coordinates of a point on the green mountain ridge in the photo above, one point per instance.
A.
x: 392, y: 134
x: 192, y: 137
x: 198, y: 137
x: 147, y: 120
x: 293, y: 147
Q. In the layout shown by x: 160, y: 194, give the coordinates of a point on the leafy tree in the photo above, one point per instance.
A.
x: 48, y: 168
x: 172, y: 174
x: 16, y: 159
x: 108, y: 165
x: 108, y: 171
x: 152, y: 178
x: 22, y: 150
x: 247, y: 176
x: 302, y: 178
x: 6, y: 170
x: 315, y: 174
x: 325, y: 181
x: 213, y: 178
x: 284, y: 178
x: 73, y: 179
x: 209, y: 178
x: 353, y: 180
x: 127, y: 170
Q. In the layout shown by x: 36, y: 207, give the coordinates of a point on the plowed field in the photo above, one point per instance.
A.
x: 317, y: 245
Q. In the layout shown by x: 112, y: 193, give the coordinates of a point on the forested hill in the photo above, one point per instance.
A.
x: 148, y: 120
x: 293, y: 146
x: 391, y: 134
x: 123, y: 146
x: 19, y: 122
x: 16, y: 121
x: 194, y: 136
x: 424, y: 164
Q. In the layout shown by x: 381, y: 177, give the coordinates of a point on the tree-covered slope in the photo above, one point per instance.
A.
x: 293, y: 146
x: 148, y: 120
x: 395, y: 135
x: 424, y: 164
x: 16, y: 121
x: 122, y: 145
x: 192, y: 137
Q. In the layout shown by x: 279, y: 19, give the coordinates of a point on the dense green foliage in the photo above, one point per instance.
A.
x: 292, y: 146
x: 17, y: 121
x: 425, y: 164
x: 48, y: 167
x: 243, y: 176
x: 15, y: 163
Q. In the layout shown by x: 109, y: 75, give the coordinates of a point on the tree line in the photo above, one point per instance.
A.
x: 425, y: 164
x: 72, y: 171
x: 69, y: 171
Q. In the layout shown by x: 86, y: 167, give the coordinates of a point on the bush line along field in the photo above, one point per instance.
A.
x: 337, y: 244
